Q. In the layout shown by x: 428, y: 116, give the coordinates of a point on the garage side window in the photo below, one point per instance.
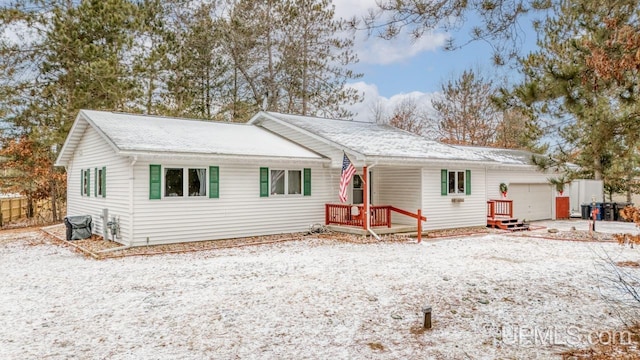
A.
x: 455, y: 182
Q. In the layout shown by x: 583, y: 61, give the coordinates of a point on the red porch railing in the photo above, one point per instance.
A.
x: 499, y: 208
x: 353, y: 215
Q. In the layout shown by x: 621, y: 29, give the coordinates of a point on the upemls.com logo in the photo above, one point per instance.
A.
x: 537, y: 336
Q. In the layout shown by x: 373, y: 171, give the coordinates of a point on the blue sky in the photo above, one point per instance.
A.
x: 399, y: 68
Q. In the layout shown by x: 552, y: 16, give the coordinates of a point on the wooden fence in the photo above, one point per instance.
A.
x: 12, y: 209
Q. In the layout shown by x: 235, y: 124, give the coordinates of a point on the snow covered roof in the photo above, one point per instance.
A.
x: 132, y: 134
x: 376, y: 140
x: 503, y: 156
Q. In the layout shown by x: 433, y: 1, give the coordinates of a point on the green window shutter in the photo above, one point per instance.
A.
x: 214, y: 182
x: 444, y: 178
x: 264, y: 182
x: 104, y: 181
x: 467, y: 182
x: 155, y: 177
x: 307, y: 182
x: 88, y: 182
x: 95, y: 183
x: 81, y: 181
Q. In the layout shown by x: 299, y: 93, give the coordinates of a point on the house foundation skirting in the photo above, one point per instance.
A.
x: 380, y: 230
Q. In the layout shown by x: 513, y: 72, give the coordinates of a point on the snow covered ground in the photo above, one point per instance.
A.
x: 493, y: 296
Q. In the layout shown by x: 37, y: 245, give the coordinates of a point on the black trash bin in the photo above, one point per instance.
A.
x: 585, y: 211
x: 78, y: 227
x: 608, y: 211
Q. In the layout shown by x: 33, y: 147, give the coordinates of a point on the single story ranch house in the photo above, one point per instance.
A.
x: 157, y: 180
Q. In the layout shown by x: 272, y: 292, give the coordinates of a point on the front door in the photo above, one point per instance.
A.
x: 358, y: 189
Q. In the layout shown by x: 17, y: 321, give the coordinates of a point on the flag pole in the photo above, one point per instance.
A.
x: 365, y: 198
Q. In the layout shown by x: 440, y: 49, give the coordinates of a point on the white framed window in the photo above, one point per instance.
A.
x: 181, y: 181
x: 456, y: 182
x: 86, y: 179
x: 294, y: 182
x: 173, y: 182
x: 100, y: 182
x: 286, y: 182
x: 197, y: 181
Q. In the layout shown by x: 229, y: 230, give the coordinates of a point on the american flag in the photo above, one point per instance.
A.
x: 347, y: 172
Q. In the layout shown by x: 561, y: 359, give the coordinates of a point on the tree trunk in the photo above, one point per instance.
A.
x: 597, y: 166
x: 54, y: 201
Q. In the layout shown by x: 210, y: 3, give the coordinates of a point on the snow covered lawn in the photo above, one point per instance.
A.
x: 492, y: 296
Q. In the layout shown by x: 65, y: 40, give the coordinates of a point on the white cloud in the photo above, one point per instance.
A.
x: 363, y: 110
x: 375, y: 50
x: 372, y: 98
x: 347, y: 9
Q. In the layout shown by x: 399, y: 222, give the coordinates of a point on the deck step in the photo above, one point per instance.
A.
x: 510, y: 224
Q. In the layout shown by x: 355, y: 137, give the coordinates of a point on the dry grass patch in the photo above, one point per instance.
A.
x: 631, y: 264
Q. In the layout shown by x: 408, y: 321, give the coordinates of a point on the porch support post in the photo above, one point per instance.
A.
x: 419, y: 226
x: 326, y: 214
x: 365, y: 199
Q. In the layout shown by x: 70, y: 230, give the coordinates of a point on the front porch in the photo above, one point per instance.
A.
x: 351, y: 219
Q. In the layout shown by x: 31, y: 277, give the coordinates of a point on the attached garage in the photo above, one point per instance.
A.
x: 532, y: 201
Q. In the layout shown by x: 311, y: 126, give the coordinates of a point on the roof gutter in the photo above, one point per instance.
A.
x: 395, y: 161
x: 151, y: 155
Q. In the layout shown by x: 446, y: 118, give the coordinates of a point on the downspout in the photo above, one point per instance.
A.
x: 365, y: 173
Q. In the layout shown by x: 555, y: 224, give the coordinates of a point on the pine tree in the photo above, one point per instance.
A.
x: 290, y: 53
x: 77, y: 58
x: 591, y: 113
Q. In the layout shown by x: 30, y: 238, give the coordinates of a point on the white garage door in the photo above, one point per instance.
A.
x: 531, y: 201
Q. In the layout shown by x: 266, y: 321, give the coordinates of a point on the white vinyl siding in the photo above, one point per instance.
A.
x: 239, y: 212
x: 93, y: 152
x: 307, y: 141
x: 399, y: 187
x: 442, y: 212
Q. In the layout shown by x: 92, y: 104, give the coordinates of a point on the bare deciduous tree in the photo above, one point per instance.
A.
x: 409, y: 114
x: 465, y: 112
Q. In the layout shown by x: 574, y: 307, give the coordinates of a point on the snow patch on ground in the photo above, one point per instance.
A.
x: 306, y: 299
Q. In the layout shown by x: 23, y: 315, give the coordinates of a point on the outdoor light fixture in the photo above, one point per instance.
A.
x: 426, y: 310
